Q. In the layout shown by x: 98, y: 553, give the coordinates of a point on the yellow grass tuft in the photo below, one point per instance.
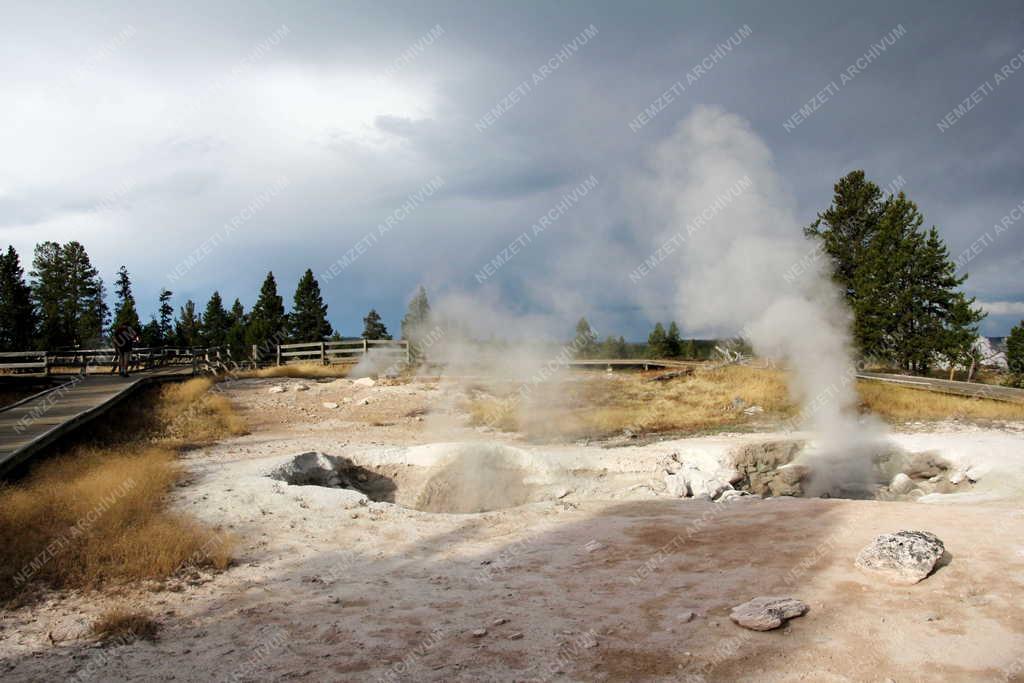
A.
x: 124, y: 626
x: 300, y: 371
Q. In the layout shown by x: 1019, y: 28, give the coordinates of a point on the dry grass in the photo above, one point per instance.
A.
x: 896, y: 403
x: 604, y: 405
x: 299, y: 370
x: 124, y: 626
x: 97, y: 514
x: 601, y: 406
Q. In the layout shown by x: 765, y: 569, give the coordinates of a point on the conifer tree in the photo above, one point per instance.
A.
x: 621, y: 350
x: 673, y: 344
x: 166, y: 320
x: 1015, y: 355
x: 215, y: 322
x: 308, y: 320
x: 416, y: 315
x: 68, y: 295
x: 17, y: 316
x: 585, y: 340
x: 374, y: 327
x: 267, y: 321
x: 656, y: 342
x: 236, y: 331
x: 125, y: 312
x: 188, y: 326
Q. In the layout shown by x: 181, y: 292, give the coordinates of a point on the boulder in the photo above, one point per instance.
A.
x: 700, y: 484
x: 766, y: 613
x: 904, y: 557
x: 901, y: 484
x: 676, y: 486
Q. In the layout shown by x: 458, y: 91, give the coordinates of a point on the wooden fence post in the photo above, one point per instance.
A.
x: 366, y: 346
x: 323, y: 353
x: 279, y: 354
x: 46, y: 364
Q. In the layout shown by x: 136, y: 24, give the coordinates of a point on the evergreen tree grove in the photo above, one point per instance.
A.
x: 657, y: 342
x: 897, y: 277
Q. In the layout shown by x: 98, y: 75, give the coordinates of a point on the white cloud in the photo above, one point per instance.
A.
x: 1003, y: 307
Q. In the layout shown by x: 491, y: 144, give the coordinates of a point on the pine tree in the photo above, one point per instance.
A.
x: 125, y: 312
x: 585, y: 340
x: 308, y: 320
x: 690, y: 349
x: 673, y: 344
x: 373, y: 327
x: 166, y: 320
x: 236, y: 331
x: 215, y: 322
x: 1015, y: 355
x: 85, y: 296
x: 416, y: 315
x: 848, y: 226
x: 48, y: 294
x: 188, y: 328
x: 150, y: 334
x: 69, y: 296
x: 17, y: 316
x: 268, y: 324
x: 657, y: 342
x: 898, y: 278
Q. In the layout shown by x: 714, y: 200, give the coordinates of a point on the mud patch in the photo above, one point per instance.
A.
x: 480, y: 478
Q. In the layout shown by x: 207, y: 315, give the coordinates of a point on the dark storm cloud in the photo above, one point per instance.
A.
x: 199, y: 110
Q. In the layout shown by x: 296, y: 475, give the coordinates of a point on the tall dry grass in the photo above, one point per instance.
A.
x: 299, y: 371
x: 897, y: 403
x: 601, y: 406
x: 97, y: 513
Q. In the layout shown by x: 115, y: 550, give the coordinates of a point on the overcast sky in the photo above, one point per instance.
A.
x: 203, y: 144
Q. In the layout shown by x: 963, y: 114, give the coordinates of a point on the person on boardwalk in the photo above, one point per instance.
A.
x: 124, y: 340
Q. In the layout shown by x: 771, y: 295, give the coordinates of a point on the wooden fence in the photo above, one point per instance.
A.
x: 338, y: 352
x: 212, y: 359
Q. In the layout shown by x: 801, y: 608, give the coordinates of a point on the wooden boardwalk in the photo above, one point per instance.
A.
x: 32, y: 424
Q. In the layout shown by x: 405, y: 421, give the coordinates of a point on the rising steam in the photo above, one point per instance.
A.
x: 749, y: 269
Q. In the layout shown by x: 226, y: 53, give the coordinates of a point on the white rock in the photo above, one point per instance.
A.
x: 956, y: 477
x: 301, y: 387
x: 365, y: 382
x: 277, y: 389
x: 766, y: 613
x: 904, y: 557
x: 676, y: 485
x: 901, y: 484
x: 753, y: 410
x: 730, y: 494
x: 700, y: 484
x: 365, y: 402
x: 330, y: 404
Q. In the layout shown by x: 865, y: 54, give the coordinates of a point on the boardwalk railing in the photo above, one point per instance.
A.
x: 214, y: 359
x: 338, y: 352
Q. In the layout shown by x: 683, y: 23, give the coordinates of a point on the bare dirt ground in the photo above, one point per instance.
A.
x: 600, y: 577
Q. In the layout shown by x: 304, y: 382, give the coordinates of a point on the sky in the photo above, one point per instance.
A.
x: 493, y: 152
